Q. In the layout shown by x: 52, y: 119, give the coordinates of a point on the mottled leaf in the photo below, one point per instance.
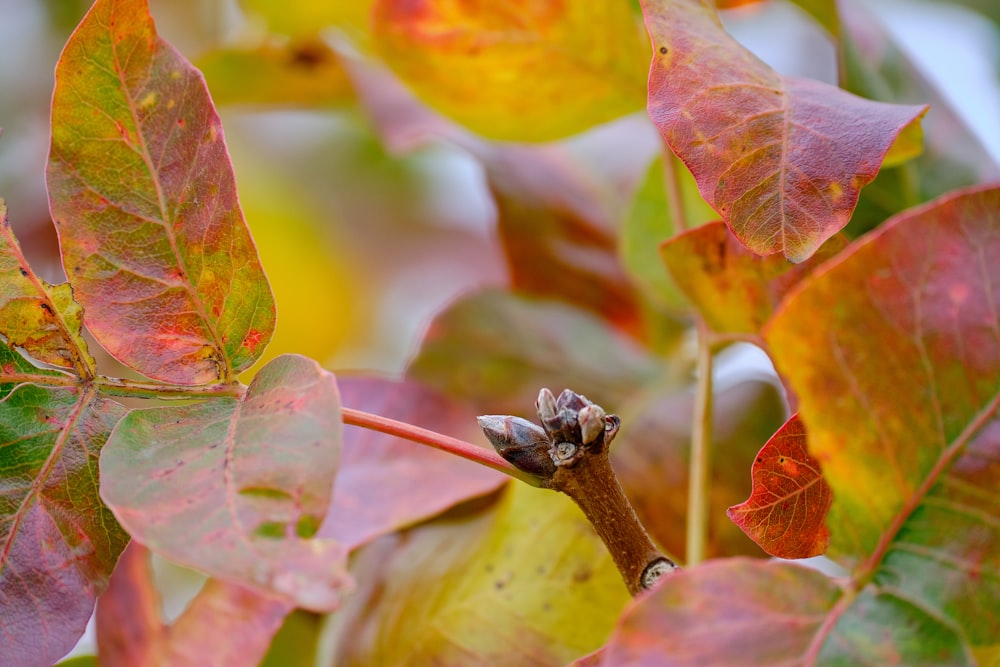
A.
x: 302, y: 73
x: 786, y: 511
x: 733, y: 289
x: 40, y: 318
x: 223, y: 625
x: 527, y: 583
x: 899, y: 387
x: 782, y: 160
x: 254, y: 478
x: 504, y: 70
x: 386, y: 483
x: 58, y: 542
x: 16, y: 369
x: 739, y: 613
x: 143, y: 196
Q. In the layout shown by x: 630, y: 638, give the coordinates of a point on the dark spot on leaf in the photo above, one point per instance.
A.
x: 664, y: 50
x: 499, y: 585
x: 781, y: 460
x: 308, y: 56
x: 24, y: 272
x: 46, y: 308
x: 581, y: 575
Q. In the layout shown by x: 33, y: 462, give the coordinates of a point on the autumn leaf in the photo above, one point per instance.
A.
x: 386, y: 483
x: 225, y: 624
x: 734, y: 290
x: 745, y: 613
x: 782, y: 160
x: 254, y: 476
x: 40, y: 318
x: 144, y: 200
x: 527, y: 582
x: 525, y: 71
x: 58, y: 542
x: 786, y: 511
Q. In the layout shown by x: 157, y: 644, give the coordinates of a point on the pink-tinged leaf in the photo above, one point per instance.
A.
x: 741, y: 613
x: 226, y: 624
x: 40, y: 318
x: 782, y: 160
x: 223, y: 625
x: 735, y: 290
x: 899, y: 387
x: 129, y: 629
x: 58, y: 542
x: 238, y: 488
x: 144, y: 199
x: 786, y: 511
x: 386, y: 483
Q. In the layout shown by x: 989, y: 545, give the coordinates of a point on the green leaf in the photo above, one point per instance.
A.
x: 519, y: 73
x: 228, y: 484
x: 40, y: 318
x: 782, y: 160
x: 528, y: 583
x: 649, y: 224
x: 58, y: 542
x: 144, y: 199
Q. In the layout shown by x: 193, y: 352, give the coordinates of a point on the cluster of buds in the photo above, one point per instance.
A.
x: 572, y: 427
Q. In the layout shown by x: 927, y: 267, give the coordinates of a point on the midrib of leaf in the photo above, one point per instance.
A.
x: 207, y: 322
x: 38, y: 483
x: 864, y: 573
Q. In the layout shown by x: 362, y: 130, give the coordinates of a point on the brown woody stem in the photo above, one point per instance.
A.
x: 592, y: 485
x: 570, y: 453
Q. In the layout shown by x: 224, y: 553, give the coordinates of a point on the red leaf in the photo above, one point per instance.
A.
x: 782, y: 160
x: 786, y: 511
x: 224, y: 624
x: 735, y: 290
x: 58, y: 543
x: 142, y: 192
x: 386, y: 483
x: 236, y: 488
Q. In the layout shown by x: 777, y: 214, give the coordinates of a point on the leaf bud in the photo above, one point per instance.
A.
x: 520, y: 442
x: 591, y: 420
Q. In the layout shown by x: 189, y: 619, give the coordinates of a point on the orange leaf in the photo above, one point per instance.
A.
x: 786, y: 511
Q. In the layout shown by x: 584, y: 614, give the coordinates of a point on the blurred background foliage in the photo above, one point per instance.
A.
x: 392, y: 160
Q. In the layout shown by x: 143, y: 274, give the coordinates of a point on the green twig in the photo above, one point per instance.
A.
x: 672, y: 189
x: 699, y: 476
